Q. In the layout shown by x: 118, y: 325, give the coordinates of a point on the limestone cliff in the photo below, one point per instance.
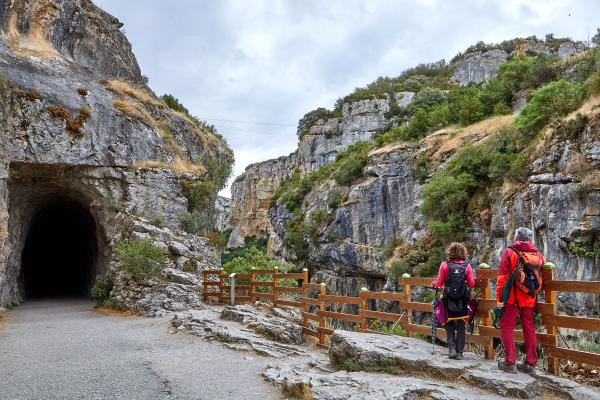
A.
x: 344, y: 242
x: 80, y: 126
x: 252, y: 191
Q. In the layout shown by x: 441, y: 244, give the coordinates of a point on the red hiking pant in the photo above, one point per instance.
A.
x: 507, y: 332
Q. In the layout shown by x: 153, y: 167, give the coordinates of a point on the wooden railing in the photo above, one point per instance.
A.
x: 321, y: 312
x: 259, y: 284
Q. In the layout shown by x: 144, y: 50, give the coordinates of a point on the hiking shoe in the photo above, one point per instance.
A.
x: 510, y: 368
x: 528, y: 369
x: 459, y: 356
x: 452, y: 353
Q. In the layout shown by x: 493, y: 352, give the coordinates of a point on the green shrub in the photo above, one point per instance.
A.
x: 593, y: 84
x: 140, y: 258
x: 444, y: 203
x: 588, y: 248
x: 502, y: 109
x: 335, y: 199
x: 398, y: 268
x: 259, y: 243
x: 349, y: 170
x: 195, y: 222
x: 102, y: 287
x: 258, y: 259
x: 311, y: 118
x: 200, y: 194
x: 553, y: 100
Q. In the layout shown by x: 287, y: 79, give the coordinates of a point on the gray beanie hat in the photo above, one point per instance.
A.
x: 523, y: 234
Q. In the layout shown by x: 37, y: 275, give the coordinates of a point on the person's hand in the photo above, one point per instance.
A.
x: 500, y: 304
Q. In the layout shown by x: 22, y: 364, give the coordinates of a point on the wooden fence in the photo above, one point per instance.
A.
x: 321, y: 312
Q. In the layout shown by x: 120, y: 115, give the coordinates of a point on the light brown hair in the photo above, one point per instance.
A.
x: 456, y: 251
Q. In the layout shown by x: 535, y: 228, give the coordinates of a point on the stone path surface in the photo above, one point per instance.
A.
x: 62, y: 349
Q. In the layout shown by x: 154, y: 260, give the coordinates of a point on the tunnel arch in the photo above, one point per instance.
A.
x: 56, y: 227
x: 60, y: 250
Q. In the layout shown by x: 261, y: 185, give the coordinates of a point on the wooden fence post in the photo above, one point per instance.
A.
x: 252, y: 286
x: 304, y: 296
x: 275, y: 272
x: 409, y: 316
x: 489, y: 347
x: 363, y: 306
x: 222, y: 277
x: 550, y: 297
x: 322, y: 319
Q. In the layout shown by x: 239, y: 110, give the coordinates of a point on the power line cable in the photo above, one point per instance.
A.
x: 245, y: 122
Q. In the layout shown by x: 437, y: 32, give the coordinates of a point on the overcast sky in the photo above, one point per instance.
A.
x: 265, y: 63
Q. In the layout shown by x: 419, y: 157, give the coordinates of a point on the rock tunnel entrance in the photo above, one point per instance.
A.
x: 56, y: 230
x: 60, y: 251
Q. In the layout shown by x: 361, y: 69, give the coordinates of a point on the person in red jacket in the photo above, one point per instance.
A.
x: 523, y: 307
x: 455, y: 274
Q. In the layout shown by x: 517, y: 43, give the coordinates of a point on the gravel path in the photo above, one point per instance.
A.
x: 62, y: 349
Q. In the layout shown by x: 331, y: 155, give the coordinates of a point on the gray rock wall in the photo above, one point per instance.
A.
x: 251, y: 192
x: 79, y: 125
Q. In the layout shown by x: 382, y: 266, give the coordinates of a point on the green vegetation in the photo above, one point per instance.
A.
x: 140, y: 258
x: 335, y: 199
x: 433, y: 108
x: 258, y: 259
x: 102, y: 287
x: 420, y: 260
x: 469, y: 180
x: 259, y: 243
x: 473, y: 168
x: 311, y: 118
x: 553, y: 100
x: 587, y: 248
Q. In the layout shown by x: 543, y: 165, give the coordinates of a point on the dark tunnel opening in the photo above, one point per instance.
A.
x: 60, y: 251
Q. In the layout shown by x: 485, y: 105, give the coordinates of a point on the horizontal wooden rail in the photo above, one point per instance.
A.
x: 262, y: 284
x: 264, y: 271
x: 573, y: 286
x: 390, y: 296
x: 340, y: 299
x: 384, y: 316
x: 313, y: 317
x: 287, y: 275
x: 287, y: 303
x: 312, y: 302
x: 286, y: 289
x: 312, y: 286
x: 340, y: 316
x: 573, y: 355
x: 259, y: 295
x: 563, y: 321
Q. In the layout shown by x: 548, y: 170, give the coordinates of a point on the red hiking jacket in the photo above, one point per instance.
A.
x: 507, y: 265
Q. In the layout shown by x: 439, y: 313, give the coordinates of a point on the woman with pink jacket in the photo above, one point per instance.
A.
x: 456, y: 276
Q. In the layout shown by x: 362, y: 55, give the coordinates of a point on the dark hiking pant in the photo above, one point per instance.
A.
x: 455, y: 332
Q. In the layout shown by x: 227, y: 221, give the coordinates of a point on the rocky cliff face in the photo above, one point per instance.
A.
x: 79, y: 126
x: 481, y: 66
x: 252, y: 191
x: 559, y: 203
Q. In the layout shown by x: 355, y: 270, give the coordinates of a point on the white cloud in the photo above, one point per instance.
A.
x: 275, y: 60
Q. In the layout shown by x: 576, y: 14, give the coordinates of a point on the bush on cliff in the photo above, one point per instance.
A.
x: 102, y: 287
x: 474, y: 167
x: 140, y: 258
x: 553, y: 100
